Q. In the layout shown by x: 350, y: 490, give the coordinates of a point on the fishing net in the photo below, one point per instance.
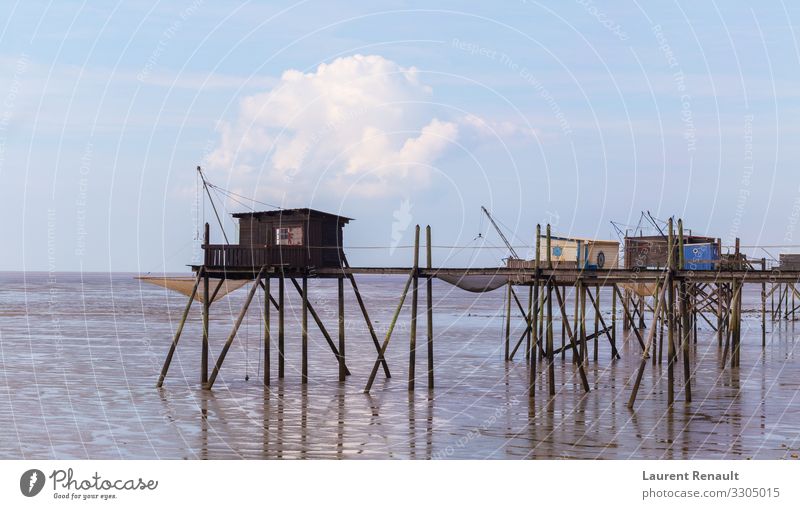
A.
x: 184, y: 285
x: 476, y: 284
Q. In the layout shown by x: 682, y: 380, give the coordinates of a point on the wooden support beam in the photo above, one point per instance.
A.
x: 630, y: 320
x: 527, y: 327
x: 179, y: 330
x: 365, y: 314
x: 235, y: 329
x: 589, y: 337
x: 650, y: 341
x: 318, y: 321
x: 382, y: 351
x: 216, y: 290
x: 573, y: 345
x: 606, y: 329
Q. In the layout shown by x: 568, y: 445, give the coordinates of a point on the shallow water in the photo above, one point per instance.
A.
x: 80, y: 354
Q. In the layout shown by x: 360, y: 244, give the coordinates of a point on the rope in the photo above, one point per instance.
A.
x: 245, y: 198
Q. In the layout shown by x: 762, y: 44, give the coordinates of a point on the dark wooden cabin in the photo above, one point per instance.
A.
x: 292, y: 238
x: 650, y: 251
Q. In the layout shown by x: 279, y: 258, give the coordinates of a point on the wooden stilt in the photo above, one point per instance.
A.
x: 719, y: 313
x: 650, y: 341
x: 235, y: 329
x: 429, y: 306
x: 596, y: 304
x: 206, y: 316
x: 551, y: 370
x: 382, y: 351
x: 576, y: 315
x: 267, y: 331
x: 341, y: 356
x: 365, y: 314
x: 304, y: 332
x: 582, y: 323
x: 412, y: 347
x: 641, y: 312
x: 614, y: 316
x: 573, y: 344
x: 281, y: 323
x: 671, y: 354
x: 605, y: 330
x: 321, y: 325
x: 206, y: 319
x: 508, y: 323
x: 179, y: 330
x: 685, y: 317
x: 628, y: 316
x: 528, y: 334
x: 535, y: 314
x: 763, y: 306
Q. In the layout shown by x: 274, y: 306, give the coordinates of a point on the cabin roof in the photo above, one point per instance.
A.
x: 663, y: 238
x: 581, y: 239
x: 304, y: 213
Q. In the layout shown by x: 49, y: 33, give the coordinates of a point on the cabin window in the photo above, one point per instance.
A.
x: 291, y: 236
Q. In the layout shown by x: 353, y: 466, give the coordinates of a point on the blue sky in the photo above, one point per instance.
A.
x: 393, y: 113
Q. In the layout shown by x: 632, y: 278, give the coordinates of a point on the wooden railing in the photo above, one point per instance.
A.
x: 233, y: 256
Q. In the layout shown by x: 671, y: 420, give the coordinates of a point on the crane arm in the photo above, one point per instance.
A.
x: 500, y: 232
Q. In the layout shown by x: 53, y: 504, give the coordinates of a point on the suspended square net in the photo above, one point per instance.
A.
x: 218, y: 287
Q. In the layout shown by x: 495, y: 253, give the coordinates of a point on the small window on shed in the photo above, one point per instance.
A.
x: 291, y: 236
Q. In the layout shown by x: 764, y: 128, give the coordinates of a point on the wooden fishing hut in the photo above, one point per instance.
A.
x: 286, y: 245
x: 294, y: 245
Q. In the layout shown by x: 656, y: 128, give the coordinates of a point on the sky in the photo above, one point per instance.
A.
x: 394, y: 113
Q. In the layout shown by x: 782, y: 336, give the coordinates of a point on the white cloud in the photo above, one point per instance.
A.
x: 360, y: 124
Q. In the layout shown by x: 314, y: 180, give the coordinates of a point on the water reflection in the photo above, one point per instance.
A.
x: 104, y: 405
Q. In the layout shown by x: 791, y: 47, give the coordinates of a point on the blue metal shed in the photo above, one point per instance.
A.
x: 700, y: 256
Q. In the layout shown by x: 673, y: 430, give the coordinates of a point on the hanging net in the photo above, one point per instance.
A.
x: 184, y: 285
x: 476, y: 284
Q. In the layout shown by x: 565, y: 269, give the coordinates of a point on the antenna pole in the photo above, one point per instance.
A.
x: 205, y: 186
